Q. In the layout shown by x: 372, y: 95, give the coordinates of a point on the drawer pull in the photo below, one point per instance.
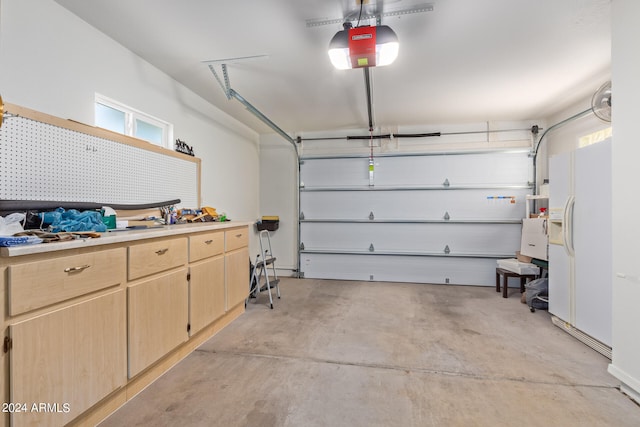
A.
x: 208, y: 242
x: 162, y: 251
x: 79, y: 268
x: 238, y: 235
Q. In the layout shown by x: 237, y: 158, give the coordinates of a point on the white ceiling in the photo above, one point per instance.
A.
x: 465, y: 61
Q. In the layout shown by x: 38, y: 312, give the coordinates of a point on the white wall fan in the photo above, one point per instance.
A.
x: 601, y: 102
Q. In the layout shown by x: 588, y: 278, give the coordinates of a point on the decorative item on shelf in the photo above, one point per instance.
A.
x: 182, y: 147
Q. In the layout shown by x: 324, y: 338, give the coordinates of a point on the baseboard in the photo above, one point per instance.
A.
x: 629, y: 385
x: 601, y: 348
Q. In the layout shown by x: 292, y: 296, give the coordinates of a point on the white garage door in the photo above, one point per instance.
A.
x: 427, y: 218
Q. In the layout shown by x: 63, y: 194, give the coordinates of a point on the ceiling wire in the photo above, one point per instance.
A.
x: 360, y: 14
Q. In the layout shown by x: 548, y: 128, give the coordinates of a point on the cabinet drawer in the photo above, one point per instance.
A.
x: 37, y: 284
x: 156, y: 256
x: 235, y: 239
x: 205, y: 245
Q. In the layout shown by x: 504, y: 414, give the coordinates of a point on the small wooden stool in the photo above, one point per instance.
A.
x: 505, y: 280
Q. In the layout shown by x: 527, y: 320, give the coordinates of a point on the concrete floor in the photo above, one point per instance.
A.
x: 340, y: 353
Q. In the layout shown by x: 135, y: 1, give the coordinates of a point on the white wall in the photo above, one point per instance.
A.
x: 565, y: 138
x: 279, y: 196
x: 626, y: 198
x: 53, y: 62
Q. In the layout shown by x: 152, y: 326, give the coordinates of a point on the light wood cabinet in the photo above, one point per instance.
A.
x: 237, y: 276
x: 70, y: 359
x: 206, y: 280
x: 41, y: 283
x: 156, y: 256
x: 89, y: 327
x: 205, y: 245
x: 158, y: 317
x: 237, y: 238
x: 206, y: 293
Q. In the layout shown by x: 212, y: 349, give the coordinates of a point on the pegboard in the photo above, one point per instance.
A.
x: 42, y: 161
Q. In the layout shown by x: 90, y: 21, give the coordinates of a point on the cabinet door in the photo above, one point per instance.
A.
x: 534, y: 241
x: 592, y: 240
x: 206, y: 293
x: 69, y: 359
x: 158, y: 316
x: 237, y: 276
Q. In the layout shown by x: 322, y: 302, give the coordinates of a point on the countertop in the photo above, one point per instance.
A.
x: 119, y: 236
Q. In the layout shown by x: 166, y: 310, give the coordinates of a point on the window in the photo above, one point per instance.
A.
x: 117, y: 117
x: 594, y: 137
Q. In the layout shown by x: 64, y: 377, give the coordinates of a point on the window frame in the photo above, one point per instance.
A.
x: 131, y: 115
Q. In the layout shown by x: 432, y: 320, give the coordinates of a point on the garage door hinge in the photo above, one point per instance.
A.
x: 8, y: 344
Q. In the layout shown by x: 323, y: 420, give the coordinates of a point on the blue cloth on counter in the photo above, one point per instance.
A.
x: 19, y: 240
x: 73, y: 220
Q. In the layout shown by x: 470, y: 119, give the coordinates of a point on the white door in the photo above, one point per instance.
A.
x: 560, y: 263
x: 593, y: 241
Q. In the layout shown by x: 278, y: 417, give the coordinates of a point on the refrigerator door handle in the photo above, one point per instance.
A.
x: 567, y: 226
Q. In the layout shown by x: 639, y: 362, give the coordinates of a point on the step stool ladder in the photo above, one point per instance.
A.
x: 260, y: 280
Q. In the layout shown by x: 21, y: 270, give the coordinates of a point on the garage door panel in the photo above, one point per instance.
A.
x: 461, y: 238
x: 436, y: 270
x: 335, y: 172
x: 486, y: 204
x: 492, y: 168
x: 497, y: 169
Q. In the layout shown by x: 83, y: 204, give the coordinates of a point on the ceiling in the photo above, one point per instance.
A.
x: 464, y: 61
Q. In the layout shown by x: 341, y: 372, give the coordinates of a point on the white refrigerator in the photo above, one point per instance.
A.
x: 580, y: 243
